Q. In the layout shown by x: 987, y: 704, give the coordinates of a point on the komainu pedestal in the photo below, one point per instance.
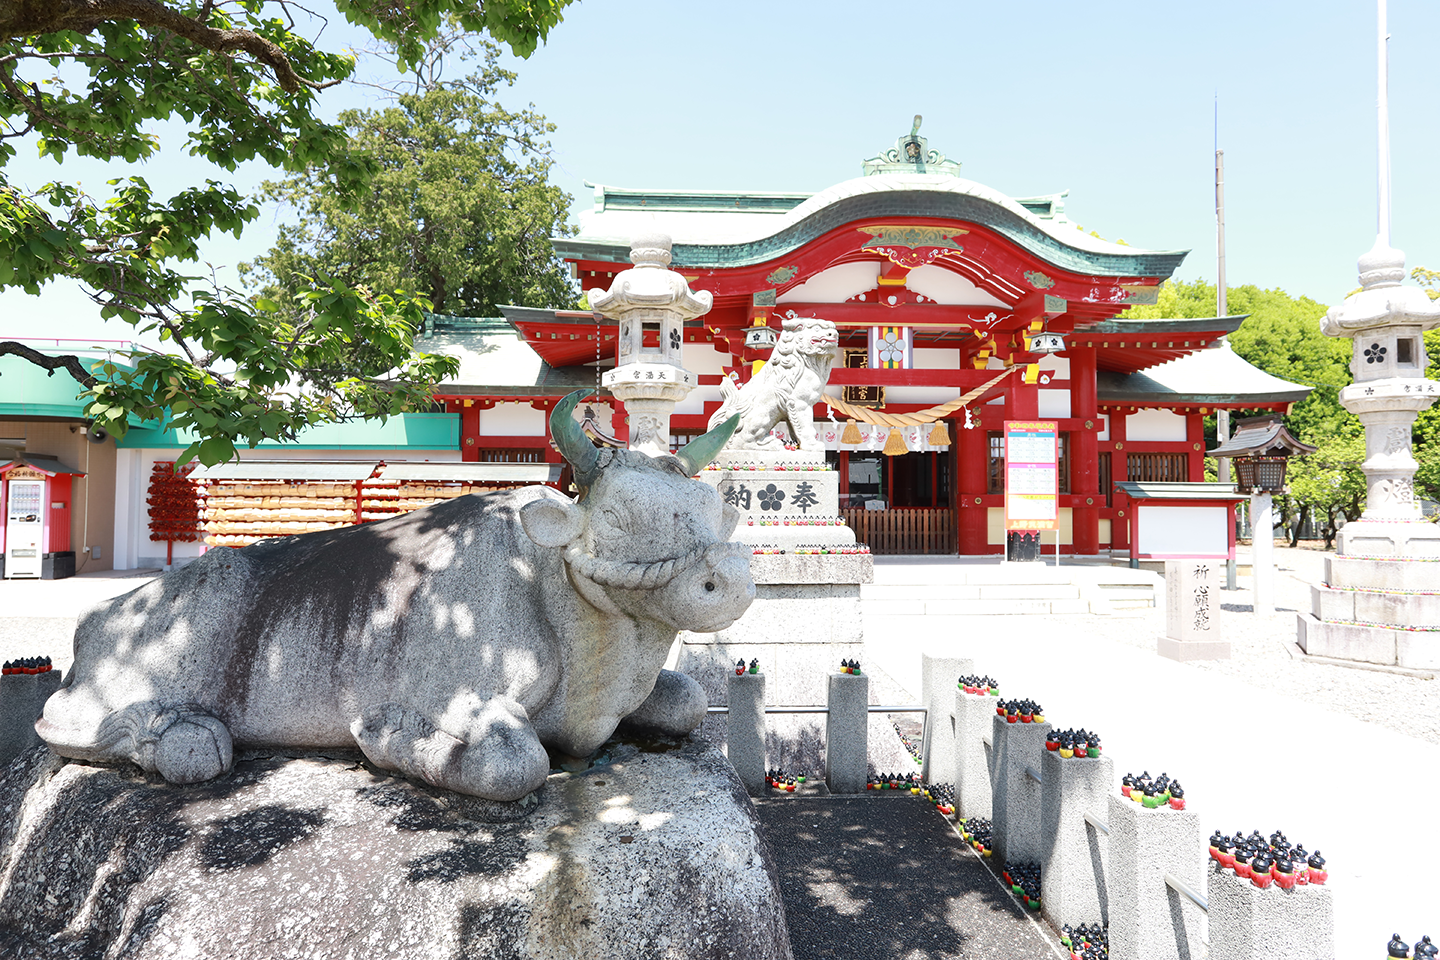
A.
x: 807, y: 569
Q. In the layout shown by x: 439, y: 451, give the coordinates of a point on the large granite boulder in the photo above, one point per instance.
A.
x: 654, y: 851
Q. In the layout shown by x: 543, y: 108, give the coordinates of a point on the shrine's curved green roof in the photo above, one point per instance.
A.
x: 756, y: 238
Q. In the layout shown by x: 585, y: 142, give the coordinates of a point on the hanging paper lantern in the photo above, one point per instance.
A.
x: 895, y: 443
x: 939, y: 436
x: 851, y: 433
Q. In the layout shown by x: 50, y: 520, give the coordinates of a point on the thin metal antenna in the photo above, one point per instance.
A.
x: 1384, y: 122
x: 1222, y: 417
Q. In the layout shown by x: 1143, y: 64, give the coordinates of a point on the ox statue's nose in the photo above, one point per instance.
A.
x: 719, y: 594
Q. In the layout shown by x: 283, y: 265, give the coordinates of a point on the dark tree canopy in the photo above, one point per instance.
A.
x: 90, y: 78
x: 459, y: 210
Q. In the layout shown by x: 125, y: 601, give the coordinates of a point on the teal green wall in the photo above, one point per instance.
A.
x: 414, y: 431
x: 26, y: 391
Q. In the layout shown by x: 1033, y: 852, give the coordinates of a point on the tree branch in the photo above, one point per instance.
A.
x: 29, y: 18
x: 69, y: 363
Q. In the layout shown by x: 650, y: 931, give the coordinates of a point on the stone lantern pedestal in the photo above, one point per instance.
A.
x: 1375, y: 604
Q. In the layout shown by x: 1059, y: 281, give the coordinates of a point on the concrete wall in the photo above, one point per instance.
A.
x: 92, y: 510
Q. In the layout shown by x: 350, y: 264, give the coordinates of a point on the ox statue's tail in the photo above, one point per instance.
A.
x: 728, y: 393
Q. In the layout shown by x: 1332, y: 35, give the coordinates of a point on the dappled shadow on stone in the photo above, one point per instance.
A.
x: 885, y: 877
x: 251, y: 838
x: 422, y: 808
x: 107, y: 830
x: 489, y: 856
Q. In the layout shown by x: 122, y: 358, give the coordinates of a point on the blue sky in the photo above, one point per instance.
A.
x: 1113, y: 100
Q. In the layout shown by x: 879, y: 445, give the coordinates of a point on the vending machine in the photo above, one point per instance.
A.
x: 24, y: 528
x: 35, y: 495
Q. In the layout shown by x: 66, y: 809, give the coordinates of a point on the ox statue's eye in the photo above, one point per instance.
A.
x: 709, y: 586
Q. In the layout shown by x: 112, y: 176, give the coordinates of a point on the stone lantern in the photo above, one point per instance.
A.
x: 1386, y: 322
x: 651, y: 303
x: 1261, y: 449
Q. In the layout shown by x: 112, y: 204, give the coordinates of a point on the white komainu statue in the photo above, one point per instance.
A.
x: 785, y: 390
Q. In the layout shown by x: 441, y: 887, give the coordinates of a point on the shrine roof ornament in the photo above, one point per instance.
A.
x: 911, y: 154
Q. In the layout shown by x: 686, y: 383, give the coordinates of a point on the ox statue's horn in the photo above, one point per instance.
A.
x: 574, y: 446
x: 697, y: 454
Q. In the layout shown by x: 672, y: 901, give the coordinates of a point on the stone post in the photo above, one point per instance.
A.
x: 1149, y: 920
x: 1073, y: 868
x: 745, y: 730
x: 974, y: 719
x: 649, y: 378
x: 1192, y: 605
x: 22, y: 699
x: 1015, y: 796
x: 1262, y: 553
x: 937, y: 685
x: 1247, y: 923
x: 847, y: 733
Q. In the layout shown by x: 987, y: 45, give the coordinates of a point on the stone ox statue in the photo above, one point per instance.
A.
x: 452, y: 644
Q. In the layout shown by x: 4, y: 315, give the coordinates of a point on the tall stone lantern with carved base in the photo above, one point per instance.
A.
x: 1386, y: 322
x: 651, y: 303
x: 1379, y: 601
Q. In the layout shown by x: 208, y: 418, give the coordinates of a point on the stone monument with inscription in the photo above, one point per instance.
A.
x: 1192, y: 600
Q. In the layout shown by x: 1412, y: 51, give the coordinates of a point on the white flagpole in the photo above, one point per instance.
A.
x: 1384, y: 121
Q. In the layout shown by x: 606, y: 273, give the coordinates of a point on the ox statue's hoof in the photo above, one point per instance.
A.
x: 675, y: 707
x: 195, y: 747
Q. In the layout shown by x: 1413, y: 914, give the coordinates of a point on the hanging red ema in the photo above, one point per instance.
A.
x: 890, y: 348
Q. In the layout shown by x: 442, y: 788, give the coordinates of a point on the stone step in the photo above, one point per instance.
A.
x: 1375, y: 607
x: 970, y: 591
x: 1370, y: 644
x: 975, y: 608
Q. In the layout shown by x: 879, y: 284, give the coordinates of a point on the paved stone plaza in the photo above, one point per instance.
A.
x: 1340, y: 758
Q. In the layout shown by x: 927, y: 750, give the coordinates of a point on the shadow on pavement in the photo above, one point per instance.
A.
x: 887, y: 877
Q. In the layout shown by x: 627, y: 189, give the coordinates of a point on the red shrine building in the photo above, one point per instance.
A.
x: 939, y: 286
x: 958, y: 309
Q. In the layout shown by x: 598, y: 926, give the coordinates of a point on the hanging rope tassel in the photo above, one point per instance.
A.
x: 895, y: 443
x: 851, y: 434
x: 939, y: 436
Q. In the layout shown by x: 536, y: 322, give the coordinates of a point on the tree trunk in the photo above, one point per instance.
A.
x: 1299, y: 525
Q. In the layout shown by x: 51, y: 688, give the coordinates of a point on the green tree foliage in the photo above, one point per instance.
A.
x: 1328, y: 483
x: 1429, y: 279
x: 459, y: 210
x: 1282, y: 337
x: 92, y: 78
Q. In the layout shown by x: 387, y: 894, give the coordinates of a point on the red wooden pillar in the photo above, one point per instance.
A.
x: 1120, y: 526
x: 843, y: 465
x: 620, y: 423
x: 1023, y: 402
x: 470, y: 431
x: 972, y: 453
x: 1085, y: 453
x: 1195, y: 434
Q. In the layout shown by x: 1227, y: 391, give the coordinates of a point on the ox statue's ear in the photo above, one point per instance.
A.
x: 729, y: 520
x: 552, y: 523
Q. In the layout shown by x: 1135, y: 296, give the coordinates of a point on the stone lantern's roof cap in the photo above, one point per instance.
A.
x: 1261, y: 437
x: 1382, y: 301
x: 650, y: 284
